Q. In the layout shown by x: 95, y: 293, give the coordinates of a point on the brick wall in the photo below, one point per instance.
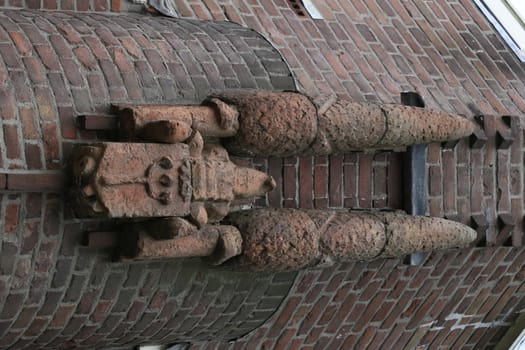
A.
x: 53, y: 291
x: 370, y: 50
x: 65, y: 5
x: 373, y: 50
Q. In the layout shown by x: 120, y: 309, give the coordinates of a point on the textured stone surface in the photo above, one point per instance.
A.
x: 214, y: 120
x: 286, y: 124
x: 281, y: 239
x: 126, y: 180
x: 409, y: 125
x: 280, y: 124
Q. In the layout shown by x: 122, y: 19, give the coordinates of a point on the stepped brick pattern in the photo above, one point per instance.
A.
x: 57, y: 293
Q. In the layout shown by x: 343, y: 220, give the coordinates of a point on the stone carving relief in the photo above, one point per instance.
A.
x: 173, y: 171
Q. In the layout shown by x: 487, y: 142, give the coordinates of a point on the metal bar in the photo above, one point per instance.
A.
x: 414, y: 173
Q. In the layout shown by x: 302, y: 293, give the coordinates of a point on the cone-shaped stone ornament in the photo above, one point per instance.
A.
x: 288, y: 239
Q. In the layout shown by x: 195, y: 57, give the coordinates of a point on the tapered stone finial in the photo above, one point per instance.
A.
x: 288, y: 239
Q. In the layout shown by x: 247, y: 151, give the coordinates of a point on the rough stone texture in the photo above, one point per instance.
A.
x: 348, y: 126
x: 406, y: 234
x: 128, y: 180
x: 140, y: 245
x: 109, y: 191
x: 411, y: 125
x: 288, y: 124
x: 275, y: 240
x: 271, y: 124
x: 282, y: 239
x: 215, y: 120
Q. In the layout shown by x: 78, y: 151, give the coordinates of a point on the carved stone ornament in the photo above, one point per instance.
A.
x: 171, y: 168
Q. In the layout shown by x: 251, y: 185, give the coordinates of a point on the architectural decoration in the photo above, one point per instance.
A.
x: 171, y: 167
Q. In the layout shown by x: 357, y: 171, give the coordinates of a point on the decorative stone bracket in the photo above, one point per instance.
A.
x: 171, y: 166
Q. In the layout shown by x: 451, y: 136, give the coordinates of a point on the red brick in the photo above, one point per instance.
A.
x: 44, y: 100
x: 9, y: 55
x: 335, y: 183
x: 35, y: 182
x: 289, y: 182
x: 11, y: 218
x: 97, y: 48
x: 21, y: 86
x: 33, y: 156
x: 449, y: 189
x: 23, y: 45
x: 275, y: 170
x: 116, y: 5
x: 11, y: 139
x: 58, y: 85
x: 50, y: 5
x: 284, y: 316
x: 348, y: 299
x: 311, y: 318
x: 365, y: 181
x: 51, y: 145
x: 101, y: 5
x: 35, y: 70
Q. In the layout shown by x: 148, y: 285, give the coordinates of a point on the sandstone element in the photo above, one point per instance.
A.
x: 177, y: 238
x: 271, y: 123
x: 188, y: 179
x: 171, y: 124
x: 283, y: 239
x: 160, y: 180
x: 286, y: 123
x: 410, y: 125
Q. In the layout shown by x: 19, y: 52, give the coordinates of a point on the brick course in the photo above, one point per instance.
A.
x: 55, y: 292
x: 370, y: 50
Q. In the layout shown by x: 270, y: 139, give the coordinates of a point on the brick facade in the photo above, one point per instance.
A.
x: 370, y: 50
x: 53, y: 291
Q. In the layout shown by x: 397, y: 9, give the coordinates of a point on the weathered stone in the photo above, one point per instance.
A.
x: 284, y: 239
x: 271, y: 124
x: 140, y: 245
x: 228, y: 245
x: 411, y: 125
x: 347, y: 126
x: 191, y: 181
x: 213, y: 119
x: 160, y: 180
x: 275, y: 239
x: 408, y: 234
x: 285, y: 123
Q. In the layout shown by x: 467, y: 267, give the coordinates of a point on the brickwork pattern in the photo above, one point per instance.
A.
x: 368, y: 49
x: 454, y: 300
x: 65, y: 5
x: 372, y: 51
x: 54, y: 293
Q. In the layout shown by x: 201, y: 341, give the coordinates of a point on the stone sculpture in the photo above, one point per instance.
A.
x: 178, y: 173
